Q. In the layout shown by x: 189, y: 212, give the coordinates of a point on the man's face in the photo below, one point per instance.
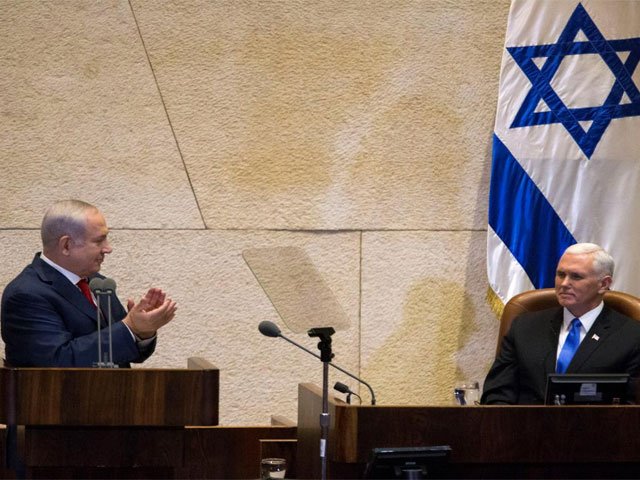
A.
x: 85, y: 256
x: 578, y: 288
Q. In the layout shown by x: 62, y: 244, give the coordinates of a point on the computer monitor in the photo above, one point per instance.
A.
x: 587, y: 389
x: 408, y: 462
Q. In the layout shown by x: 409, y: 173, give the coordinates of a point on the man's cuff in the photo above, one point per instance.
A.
x: 141, y: 342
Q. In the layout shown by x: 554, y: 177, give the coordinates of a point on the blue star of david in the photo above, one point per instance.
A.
x: 541, y: 89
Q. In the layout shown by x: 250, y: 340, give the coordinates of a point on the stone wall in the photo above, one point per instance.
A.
x: 359, y: 131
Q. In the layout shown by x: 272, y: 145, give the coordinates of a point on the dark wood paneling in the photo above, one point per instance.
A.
x: 110, y: 397
x: 131, y: 423
x: 228, y: 452
x: 486, y: 441
x: 104, y: 446
x: 285, y: 448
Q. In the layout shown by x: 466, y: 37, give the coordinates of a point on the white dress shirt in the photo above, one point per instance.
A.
x: 587, y: 320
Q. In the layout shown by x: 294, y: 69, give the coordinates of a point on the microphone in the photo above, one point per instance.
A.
x: 342, y: 388
x: 95, y: 284
x: 270, y: 329
x: 109, y: 285
x: 100, y: 287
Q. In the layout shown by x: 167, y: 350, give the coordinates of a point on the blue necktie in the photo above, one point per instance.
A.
x: 570, y: 346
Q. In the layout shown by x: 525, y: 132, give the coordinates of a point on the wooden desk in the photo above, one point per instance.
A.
x: 229, y: 452
x: 486, y: 441
x: 118, y: 419
x: 131, y: 423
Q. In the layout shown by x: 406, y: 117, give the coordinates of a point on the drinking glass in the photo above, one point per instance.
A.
x: 467, y: 393
x: 272, y: 468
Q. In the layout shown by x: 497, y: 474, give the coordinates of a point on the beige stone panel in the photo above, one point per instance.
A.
x: 331, y: 114
x: 82, y: 117
x: 425, y: 322
x: 220, y: 305
x: 17, y: 249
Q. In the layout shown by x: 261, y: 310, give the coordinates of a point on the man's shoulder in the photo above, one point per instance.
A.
x: 529, y: 324
x: 621, y: 320
x: 29, y: 279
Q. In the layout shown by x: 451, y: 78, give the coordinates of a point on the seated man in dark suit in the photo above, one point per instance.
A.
x: 539, y: 343
x: 48, y: 313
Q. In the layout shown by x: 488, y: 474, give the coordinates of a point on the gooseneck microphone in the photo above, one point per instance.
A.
x: 342, y: 388
x: 270, y: 329
x: 108, y: 285
x: 100, y: 287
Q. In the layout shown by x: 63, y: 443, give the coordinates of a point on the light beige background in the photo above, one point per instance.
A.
x: 359, y: 131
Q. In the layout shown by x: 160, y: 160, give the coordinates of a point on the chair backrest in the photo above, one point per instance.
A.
x: 534, y: 300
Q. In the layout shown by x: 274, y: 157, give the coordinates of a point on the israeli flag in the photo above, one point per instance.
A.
x: 566, y: 146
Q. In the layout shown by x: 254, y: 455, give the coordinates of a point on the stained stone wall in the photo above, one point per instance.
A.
x: 358, y: 131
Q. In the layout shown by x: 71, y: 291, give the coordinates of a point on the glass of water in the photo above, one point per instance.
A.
x: 272, y: 468
x: 467, y: 393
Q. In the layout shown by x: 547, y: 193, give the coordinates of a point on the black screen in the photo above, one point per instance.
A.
x: 587, y: 389
x: 408, y: 462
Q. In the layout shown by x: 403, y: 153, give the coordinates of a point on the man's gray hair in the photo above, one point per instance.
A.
x: 65, y: 217
x: 603, y: 263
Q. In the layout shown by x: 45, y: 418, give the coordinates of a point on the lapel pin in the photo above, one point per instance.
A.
x: 595, y: 337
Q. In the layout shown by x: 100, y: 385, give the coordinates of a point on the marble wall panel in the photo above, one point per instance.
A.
x: 202, y: 128
x: 331, y: 114
x: 82, y: 117
x: 425, y: 321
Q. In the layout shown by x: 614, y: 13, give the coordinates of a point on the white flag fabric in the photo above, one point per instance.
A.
x: 566, y: 146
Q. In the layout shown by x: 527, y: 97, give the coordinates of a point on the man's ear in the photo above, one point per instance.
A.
x: 605, y: 284
x: 64, y: 244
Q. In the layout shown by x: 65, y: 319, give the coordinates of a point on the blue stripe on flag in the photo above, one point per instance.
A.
x: 524, y: 219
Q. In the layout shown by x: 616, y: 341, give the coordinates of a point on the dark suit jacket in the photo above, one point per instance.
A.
x: 528, y: 354
x: 47, y: 322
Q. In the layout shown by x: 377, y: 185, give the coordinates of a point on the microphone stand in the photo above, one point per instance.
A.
x: 97, y: 295
x: 324, y: 334
x: 110, y: 363
x: 271, y: 330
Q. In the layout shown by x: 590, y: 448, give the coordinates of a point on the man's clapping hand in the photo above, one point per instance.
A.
x: 153, y: 311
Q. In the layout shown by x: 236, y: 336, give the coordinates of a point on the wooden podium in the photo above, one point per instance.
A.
x: 87, y: 422
x: 486, y: 441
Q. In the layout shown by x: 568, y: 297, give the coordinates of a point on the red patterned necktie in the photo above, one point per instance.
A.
x: 86, y: 291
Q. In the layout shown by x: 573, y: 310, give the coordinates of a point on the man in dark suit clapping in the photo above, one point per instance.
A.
x: 48, y: 314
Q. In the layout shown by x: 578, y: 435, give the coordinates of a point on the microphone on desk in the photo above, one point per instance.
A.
x: 270, y: 329
x: 100, y: 287
x: 342, y: 388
